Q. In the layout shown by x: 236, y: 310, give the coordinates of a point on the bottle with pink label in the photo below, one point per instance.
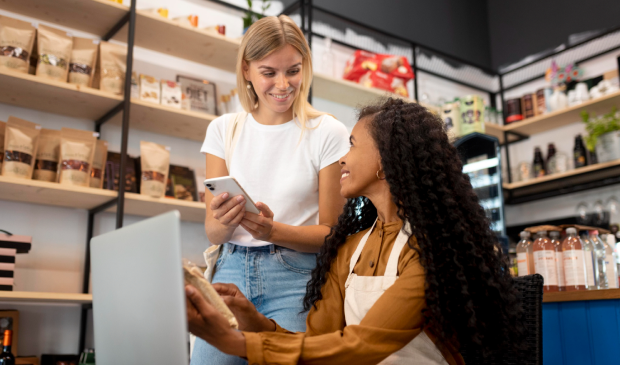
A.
x: 559, y: 258
x: 544, y: 261
x: 574, y: 261
x: 525, y: 258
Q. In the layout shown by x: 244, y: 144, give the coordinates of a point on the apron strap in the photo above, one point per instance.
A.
x: 401, y: 240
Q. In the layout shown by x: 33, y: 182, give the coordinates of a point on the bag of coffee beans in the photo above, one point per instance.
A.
x: 54, y: 47
x: 77, y: 149
x: 96, y: 174
x: 112, y: 65
x: 16, y: 42
x: 155, y: 164
x: 48, y: 153
x: 83, y: 61
x: 21, y: 139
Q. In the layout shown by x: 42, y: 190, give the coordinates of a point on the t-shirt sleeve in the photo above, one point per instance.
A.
x: 334, y: 141
x: 214, y: 141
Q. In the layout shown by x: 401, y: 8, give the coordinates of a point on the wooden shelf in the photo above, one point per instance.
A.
x: 166, y: 36
x: 91, y: 16
x: 564, y: 117
x: 573, y: 296
x: 49, y: 298
x: 161, y: 119
x: 33, y: 92
x: 575, y: 172
x: 346, y: 92
x: 46, y: 193
x: 495, y: 131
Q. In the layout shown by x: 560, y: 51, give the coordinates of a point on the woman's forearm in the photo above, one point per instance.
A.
x: 217, y: 233
x: 299, y: 238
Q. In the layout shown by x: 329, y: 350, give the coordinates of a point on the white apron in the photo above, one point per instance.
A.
x: 361, y: 293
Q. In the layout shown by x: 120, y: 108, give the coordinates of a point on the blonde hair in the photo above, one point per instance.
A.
x: 264, y: 37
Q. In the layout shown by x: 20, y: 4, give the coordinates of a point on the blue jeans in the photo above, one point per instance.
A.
x: 273, y: 278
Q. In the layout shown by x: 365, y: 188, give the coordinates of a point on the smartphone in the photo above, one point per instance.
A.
x: 228, y: 184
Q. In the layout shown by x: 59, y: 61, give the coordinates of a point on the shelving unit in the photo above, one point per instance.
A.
x: 598, y: 175
x: 564, y: 117
x: 47, y: 298
x: 347, y: 92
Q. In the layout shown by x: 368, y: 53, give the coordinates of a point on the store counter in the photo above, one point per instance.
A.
x: 581, y: 328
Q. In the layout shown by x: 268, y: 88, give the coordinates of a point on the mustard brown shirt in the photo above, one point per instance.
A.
x: 392, y: 322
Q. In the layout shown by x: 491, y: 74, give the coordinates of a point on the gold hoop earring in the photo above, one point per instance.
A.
x: 379, y: 178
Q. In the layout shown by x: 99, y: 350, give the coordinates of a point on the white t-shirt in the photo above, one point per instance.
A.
x: 276, y: 167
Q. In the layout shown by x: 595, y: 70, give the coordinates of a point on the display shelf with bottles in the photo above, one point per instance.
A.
x: 54, y: 194
x: 583, y: 178
x: 47, y: 298
x: 62, y: 98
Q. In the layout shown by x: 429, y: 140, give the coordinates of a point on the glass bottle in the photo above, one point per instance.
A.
x: 610, y: 262
x: 327, y: 59
x: 600, y: 257
x: 559, y: 259
x: 6, y: 357
x: 588, y: 253
x: 539, y: 163
x: 579, y: 153
x: 550, y: 152
x: 544, y: 261
x: 574, y: 261
x: 525, y: 260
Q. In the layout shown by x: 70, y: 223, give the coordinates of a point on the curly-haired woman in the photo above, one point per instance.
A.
x: 411, y: 272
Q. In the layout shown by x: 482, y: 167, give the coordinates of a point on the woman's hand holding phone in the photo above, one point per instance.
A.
x: 228, y: 211
x: 260, y: 226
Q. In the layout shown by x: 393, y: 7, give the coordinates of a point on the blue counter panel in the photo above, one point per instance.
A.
x: 581, y: 332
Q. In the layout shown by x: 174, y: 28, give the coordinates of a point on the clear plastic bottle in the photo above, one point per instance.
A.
x: 525, y: 258
x: 610, y: 262
x: 544, y: 261
x: 601, y: 258
x: 588, y: 253
x: 574, y: 261
x: 559, y: 259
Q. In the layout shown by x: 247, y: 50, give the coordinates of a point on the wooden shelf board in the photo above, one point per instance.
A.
x: 52, y: 298
x: 161, y: 119
x: 146, y: 206
x: 35, y: 92
x: 495, y: 131
x: 564, y: 117
x: 573, y: 296
x: 579, y: 171
x: 198, y: 45
x: 346, y: 92
x: 91, y: 16
x: 45, y: 193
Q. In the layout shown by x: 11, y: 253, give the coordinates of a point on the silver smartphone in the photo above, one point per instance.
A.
x: 228, y: 184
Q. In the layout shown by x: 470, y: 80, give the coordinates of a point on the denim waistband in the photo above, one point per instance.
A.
x: 231, y: 247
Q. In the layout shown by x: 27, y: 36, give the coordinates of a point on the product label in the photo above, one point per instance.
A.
x: 574, y: 268
x: 559, y: 264
x: 544, y: 264
x: 589, y: 268
x: 522, y: 264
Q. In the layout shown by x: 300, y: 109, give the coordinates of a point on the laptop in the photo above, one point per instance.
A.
x: 138, y: 294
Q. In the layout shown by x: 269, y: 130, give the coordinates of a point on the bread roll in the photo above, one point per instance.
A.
x: 194, y: 277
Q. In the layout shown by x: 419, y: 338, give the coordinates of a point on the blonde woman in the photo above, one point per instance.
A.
x: 285, y: 158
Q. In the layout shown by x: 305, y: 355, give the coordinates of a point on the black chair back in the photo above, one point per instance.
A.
x: 530, y: 289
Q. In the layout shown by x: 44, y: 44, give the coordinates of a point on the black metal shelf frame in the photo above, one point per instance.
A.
x: 306, y: 9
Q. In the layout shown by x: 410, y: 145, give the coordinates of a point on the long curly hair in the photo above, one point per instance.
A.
x: 470, y: 297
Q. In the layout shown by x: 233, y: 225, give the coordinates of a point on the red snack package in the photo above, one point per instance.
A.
x: 383, y: 81
x: 361, y: 63
x: 397, y: 66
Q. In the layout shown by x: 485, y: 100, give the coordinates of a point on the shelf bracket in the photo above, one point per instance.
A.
x: 109, y: 115
x: 520, y: 137
x: 121, y: 23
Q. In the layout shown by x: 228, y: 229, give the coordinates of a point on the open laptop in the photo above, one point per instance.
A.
x: 138, y: 294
